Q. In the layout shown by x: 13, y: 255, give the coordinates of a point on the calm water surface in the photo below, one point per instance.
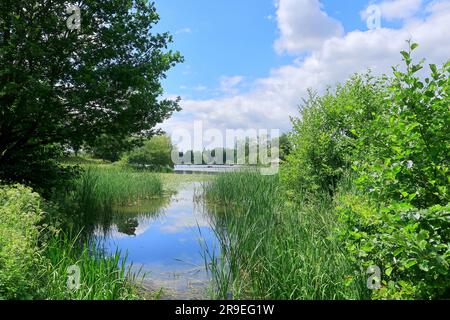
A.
x: 166, y: 238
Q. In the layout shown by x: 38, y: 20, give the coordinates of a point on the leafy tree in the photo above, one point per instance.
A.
x: 285, y: 146
x: 324, y: 138
x: 156, y: 153
x: 62, y: 87
x: 111, y: 148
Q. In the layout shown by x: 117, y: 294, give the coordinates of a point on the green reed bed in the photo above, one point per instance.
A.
x: 99, y: 190
x: 104, y: 187
x: 101, y: 277
x: 272, y: 248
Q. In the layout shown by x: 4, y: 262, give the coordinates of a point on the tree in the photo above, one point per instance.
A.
x: 111, y: 148
x: 285, y: 146
x: 324, y: 138
x: 156, y: 153
x: 62, y: 87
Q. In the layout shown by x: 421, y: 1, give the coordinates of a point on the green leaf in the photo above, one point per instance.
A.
x: 433, y: 68
x: 410, y: 263
x: 388, y: 271
x: 405, y: 54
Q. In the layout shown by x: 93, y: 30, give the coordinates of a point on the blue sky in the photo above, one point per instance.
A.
x: 249, y: 63
x: 224, y: 38
x: 228, y: 38
x: 219, y: 38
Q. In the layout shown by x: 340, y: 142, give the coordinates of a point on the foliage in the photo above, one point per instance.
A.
x: 38, y: 168
x: 20, y: 254
x: 156, y: 153
x: 112, y: 148
x: 403, y: 223
x: 383, y: 144
x: 324, y: 136
x: 285, y: 146
x: 64, y: 88
x: 411, y: 246
x: 406, y: 146
x: 34, y: 258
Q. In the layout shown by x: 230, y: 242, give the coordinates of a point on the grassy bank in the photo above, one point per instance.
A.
x: 35, y: 258
x: 103, y: 188
x: 275, y: 249
x: 41, y: 240
x: 99, y: 191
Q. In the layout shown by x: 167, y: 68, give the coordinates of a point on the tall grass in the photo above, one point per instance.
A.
x: 100, y: 190
x: 101, y: 277
x: 275, y: 249
x: 91, y: 202
x: 103, y: 188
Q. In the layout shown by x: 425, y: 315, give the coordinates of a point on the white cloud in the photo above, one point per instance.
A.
x: 399, y: 9
x: 303, y: 25
x: 228, y: 84
x: 277, y: 96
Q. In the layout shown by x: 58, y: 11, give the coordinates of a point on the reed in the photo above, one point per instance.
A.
x: 99, y: 191
x: 272, y: 248
x: 102, y: 277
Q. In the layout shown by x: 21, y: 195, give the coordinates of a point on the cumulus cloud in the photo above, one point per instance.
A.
x: 398, y: 9
x: 303, y: 25
x: 275, y: 98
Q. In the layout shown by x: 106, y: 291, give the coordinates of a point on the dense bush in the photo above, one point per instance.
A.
x: 411, y: 246
x: 156, y: 154
x: 20, y: 254
x: 391, y: 137
x: 403, y: 225
x: 406, y: 145
x: 324, y: 137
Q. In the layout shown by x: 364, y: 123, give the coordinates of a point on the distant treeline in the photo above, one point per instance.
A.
x: 246, y: 151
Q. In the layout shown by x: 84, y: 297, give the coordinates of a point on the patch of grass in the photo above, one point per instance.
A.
x: 101, y: 277
x: 274, y: 249
x: 35, y: 258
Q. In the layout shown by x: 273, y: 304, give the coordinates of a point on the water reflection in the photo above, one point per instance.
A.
x: 166, y: 238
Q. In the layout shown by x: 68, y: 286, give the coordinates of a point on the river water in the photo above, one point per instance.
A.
x: 165, y: 239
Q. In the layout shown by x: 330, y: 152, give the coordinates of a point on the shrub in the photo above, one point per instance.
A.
x: 406, y: 146
x: 393, y: 133
x: 402, y: 222
x: 411, y: 246
x: 324, y: 137
x: 156, y: 154
x: 20, y: 254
